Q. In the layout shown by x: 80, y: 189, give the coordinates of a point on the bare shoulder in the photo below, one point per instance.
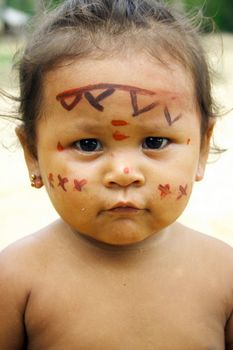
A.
x: 205, y: 247
x: 23, y: 262
x: 25, y: 254
x: 21, y: 265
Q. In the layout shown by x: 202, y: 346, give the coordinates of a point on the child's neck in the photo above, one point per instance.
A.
x: 152, y: 242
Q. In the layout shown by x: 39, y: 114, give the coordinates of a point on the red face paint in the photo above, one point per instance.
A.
x: 109, y: 89
x: 183, y: 191
x: 62, y: 182
x: 164, y: 190
x: 51, y: 180
x: 126, y: 170
x: 60, y: 148
x: 119, y: 123
x: 119, y: 137
x: 78, y: 185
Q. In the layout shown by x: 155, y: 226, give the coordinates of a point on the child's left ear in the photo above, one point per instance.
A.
x: 31, y: 160
x: 204, y: 151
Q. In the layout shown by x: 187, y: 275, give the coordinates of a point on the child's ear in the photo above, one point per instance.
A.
x: 31, y: 160
x: 204, y: 151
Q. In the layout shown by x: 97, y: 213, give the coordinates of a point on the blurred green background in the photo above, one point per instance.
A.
x: 220, y: 10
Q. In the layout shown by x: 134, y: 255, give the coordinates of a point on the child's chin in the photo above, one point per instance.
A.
x: 119, y: 240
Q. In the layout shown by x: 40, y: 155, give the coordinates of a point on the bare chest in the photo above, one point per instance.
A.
x: 121, y: 313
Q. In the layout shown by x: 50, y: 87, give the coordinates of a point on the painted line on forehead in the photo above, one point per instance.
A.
x: 109, y: 90
x: 136, y: 110
x: 168, y: 117
x: 183, y: 191
x: 62, y: 182
x: 74, y: 103
x: 119, y: 123
x: 60, y: 148
x: 78, y: 185
x: 91, y: 99
x: 118, y: 136
x: 105, y: 86
x: 164, y: 190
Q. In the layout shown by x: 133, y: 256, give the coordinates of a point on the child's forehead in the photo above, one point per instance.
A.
x: 167, y: 79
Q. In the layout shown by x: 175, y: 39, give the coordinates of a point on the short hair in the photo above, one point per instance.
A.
x: 99, y: 28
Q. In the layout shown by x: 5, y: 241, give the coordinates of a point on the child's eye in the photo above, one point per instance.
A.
x: 155, y: 142
x: 88, y: 145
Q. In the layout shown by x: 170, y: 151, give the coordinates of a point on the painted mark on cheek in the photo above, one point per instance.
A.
x: 119, y: 136
x: 183, y: 191
x: 60, y: 148
x: 188, y: 141
x: 164, y: 190
x: 168, y: 117
x: 62, y: 182
x: 51, y: 180
x: 119, y: 122
x: 78, y: 185
x: 126, y: 170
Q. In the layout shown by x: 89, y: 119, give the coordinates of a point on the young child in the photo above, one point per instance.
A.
x: 117, y: 117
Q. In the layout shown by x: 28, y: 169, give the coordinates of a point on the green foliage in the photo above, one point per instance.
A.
x: 220, y: 10
x: 23, y: 5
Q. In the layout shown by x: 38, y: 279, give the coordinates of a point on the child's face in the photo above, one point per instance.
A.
x: 119, y: 146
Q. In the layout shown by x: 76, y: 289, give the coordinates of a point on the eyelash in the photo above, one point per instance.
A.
x: 94, y: 145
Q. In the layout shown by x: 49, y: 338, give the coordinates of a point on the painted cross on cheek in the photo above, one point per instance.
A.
x: 51, y: 180
x: 164, y: 190
x: 78, y: 185
x: 62, y: 182
x: 183, y: 191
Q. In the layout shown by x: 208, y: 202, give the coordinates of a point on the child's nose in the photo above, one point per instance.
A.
x: 123, y: 176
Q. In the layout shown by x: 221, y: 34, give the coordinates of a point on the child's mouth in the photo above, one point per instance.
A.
x: 124, y: 207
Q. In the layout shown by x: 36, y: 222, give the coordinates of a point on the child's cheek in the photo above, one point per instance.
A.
x: 170, y: 200
x: 176, y: 192
x: 65, y: 183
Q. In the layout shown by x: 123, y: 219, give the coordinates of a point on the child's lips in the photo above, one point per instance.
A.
x: 125, y: 207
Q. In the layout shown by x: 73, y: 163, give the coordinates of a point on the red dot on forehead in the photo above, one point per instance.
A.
x: 126, y: 170
x: 119, y: 122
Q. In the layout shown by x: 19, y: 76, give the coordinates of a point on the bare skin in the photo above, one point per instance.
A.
x: 61, y: 291
x: 118, y: 168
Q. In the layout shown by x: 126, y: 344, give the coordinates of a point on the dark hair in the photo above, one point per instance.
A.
x: 96, y: 28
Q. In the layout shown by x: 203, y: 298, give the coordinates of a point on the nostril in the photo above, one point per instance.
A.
x: 137, y: 183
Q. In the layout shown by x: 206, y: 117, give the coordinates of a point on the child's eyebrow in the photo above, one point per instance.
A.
x: 89, y: 127
x: 109, y: 89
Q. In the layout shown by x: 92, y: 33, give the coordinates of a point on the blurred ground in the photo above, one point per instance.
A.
x: 24, y: 209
